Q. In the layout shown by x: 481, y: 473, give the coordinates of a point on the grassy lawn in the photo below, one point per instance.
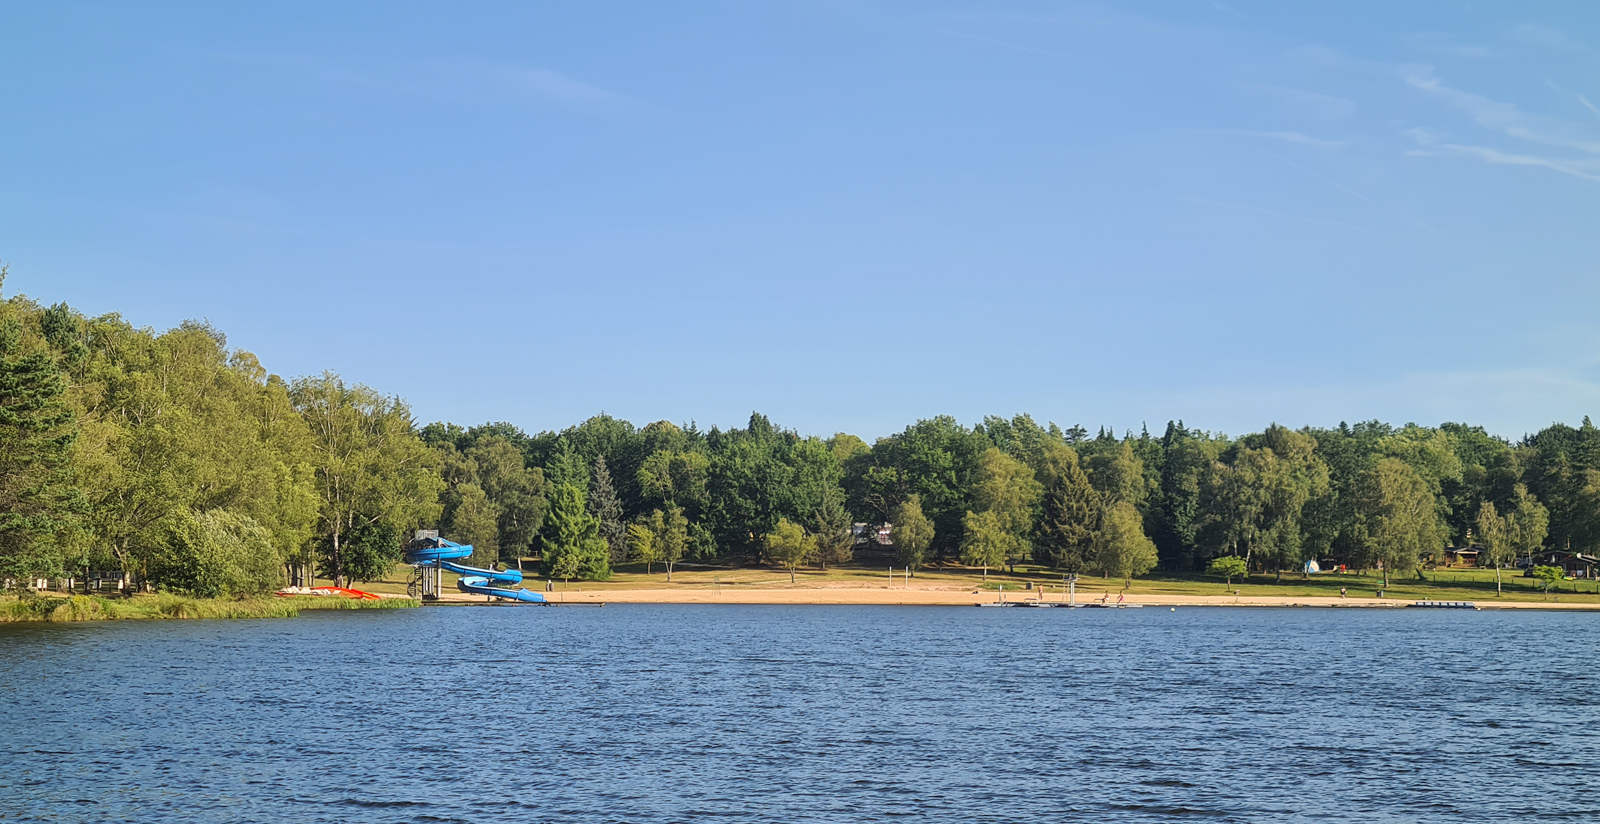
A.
x: 1440, y: 585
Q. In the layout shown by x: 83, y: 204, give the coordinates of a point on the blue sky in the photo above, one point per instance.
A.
x: 848, y: 215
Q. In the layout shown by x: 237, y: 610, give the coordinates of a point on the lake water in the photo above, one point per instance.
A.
x: 794, y: 714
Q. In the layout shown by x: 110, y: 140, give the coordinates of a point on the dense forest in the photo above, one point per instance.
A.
x: 189, y: 466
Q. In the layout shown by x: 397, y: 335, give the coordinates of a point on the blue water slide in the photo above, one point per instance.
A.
x: 438, y: 553
x: 479, y: 585
x: 440, y: 550
x: 507, y: 576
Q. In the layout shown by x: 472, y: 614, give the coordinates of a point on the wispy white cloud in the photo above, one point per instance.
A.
x: 1447, y: 46
x: 1506, y: 118
x: 1004, y: 44
x: 1587, y: 170
x: 1287, y: 137
x: 1546, y: 36
x: 1228, y: 10
x: 1582, y: 100
x: 1588, y: 105
x: 546, y: 83
x: 439, y: 81
x: 1320, y: 106
x: 1240, y: 207
x: 1347, y: 190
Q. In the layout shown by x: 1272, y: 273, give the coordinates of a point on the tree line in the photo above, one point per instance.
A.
x: 188, y: 465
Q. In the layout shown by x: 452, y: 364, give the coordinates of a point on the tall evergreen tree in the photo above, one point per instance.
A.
x: 566, y: 466
x: 570, y: 539
x: 606, y: 509
x: 37, y: 499
x: 1070, y: 512
x: 1176, y: 511
x: 831, y: 527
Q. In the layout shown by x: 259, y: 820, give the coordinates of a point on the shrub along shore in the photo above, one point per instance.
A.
x: 158, y: 607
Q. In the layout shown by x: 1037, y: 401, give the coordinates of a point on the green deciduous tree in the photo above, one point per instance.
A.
x: 986, y: 542
x: 371, y: 468
x: 675, y: 537
x: 1497, y: 547
x: 911, y: 532
x: 1228, y: 566
x: 1121, y: 548
x: 643, y: 547
x: 1401, y: 521
x: 1006, y: 491
x: 1119, y: 475
x: 1292, y: 475
x: 936, y: 459
x: 790, y: 546
x: 1527, y: 524
x: 371, y: 549
x: 675, y: 477
x: 516, y: 491
x: 1549, y: 576
x: 476, y: 521
x: 174, y: 425
x: 1519, y: 533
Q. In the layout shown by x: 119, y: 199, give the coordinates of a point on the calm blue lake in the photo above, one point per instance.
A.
x: 792, y: 714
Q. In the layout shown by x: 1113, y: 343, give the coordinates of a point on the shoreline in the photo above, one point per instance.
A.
x: 962, y: 596
x: 58, y: 608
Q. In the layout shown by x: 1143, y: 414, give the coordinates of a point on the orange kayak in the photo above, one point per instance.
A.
x: 348, y: 593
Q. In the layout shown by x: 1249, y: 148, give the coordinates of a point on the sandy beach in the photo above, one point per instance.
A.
x: 959, y: 596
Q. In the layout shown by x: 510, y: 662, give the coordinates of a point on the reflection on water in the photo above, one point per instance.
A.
x: 772, y: 713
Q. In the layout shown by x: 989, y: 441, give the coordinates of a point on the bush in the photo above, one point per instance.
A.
x: 168, y: 606
x: 1549, y: 576
x: 217, y: 554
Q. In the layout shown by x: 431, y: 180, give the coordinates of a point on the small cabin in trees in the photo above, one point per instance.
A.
x: 1575, y: 564
x: 867, y: 535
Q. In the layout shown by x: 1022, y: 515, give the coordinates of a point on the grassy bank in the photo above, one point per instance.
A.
x: 158, y: 607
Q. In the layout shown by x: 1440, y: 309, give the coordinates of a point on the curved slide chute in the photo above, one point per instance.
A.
x: 439, y: 553
x: 503, y: 576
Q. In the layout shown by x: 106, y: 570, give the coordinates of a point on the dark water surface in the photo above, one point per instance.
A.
x: 747, y: 713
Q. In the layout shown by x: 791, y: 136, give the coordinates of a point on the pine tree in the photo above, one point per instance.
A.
x: 607, y: 509
x: 831, y: 526
x: 37, y: 429
x: 1070, y: 512
x: 566, y: 467
x: 570, y: 539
